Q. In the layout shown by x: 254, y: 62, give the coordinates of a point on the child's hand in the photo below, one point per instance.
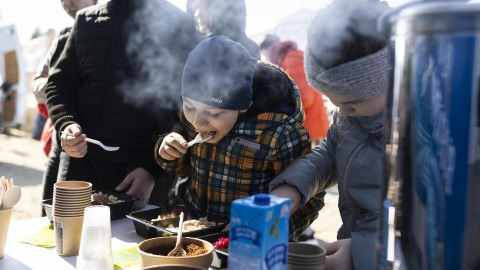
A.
x: 339, y: 255
x: 291, y: 192
x: 173, y: 146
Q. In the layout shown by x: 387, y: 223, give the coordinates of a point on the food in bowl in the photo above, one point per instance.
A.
x: 191, y: 249
x: 168, y: 243
x: 162, y: 217
x: 120, y: 204
x: 222, y: 243
x: 105, y: 198
x: 193, y: 225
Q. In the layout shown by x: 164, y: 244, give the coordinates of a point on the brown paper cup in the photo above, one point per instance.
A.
x: 73, y: 186
x: 5, y: 216
x: 68, y: 232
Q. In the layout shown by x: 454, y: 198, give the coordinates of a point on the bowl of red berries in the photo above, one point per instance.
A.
x: 220, y: 245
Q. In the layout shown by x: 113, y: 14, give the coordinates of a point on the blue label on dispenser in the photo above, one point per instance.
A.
x: 444, y: 90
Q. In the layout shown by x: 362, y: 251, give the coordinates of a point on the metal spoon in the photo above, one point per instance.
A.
x: 108, y: 148
x: 11, y: 197
x: 178, y: 251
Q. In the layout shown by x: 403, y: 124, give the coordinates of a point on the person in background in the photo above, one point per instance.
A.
x: 286, y: 55
x: 51, y: 147
x: 223, y: 18
x: 5, y: 90
x: 39, y: 122
x: 347, y: 62
x: 252, y: 114
x: 121, y: 59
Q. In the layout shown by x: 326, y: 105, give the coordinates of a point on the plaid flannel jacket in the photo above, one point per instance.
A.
x: 244, y: 162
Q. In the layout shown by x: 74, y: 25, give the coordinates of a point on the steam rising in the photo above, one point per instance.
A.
x: 158, y: 44
x: 337, y: 24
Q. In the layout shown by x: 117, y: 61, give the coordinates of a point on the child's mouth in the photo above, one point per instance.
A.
x: 208, y: 134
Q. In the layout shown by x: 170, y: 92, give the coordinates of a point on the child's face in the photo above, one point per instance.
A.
x: 359, y: 107
x: 206, y: 118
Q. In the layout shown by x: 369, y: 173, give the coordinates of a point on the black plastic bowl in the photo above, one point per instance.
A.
x: 117, y: 210
x: 142, y: 220
x: 121, y: 209
x: 220, y: 256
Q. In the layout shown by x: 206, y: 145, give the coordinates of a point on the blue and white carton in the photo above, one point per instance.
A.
x: 259, y: 233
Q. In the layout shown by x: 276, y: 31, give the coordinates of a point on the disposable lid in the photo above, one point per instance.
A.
x: 440, y: 8
x: 422, y: 17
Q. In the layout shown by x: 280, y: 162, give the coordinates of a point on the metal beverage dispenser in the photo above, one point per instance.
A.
x: 431, y: 208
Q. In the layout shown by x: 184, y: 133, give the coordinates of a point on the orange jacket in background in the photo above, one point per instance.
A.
x: 286, y: 55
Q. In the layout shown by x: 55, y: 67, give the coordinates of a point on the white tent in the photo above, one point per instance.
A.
x: 13, y: 106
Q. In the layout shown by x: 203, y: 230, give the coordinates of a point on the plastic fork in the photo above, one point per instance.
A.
x: 198, y: 139
x: 108, y: 148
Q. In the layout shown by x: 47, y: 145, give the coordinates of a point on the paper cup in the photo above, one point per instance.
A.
x: 5, y: 216
x: 68, y: 232
x: 72, y: 185
x: 305, y: 256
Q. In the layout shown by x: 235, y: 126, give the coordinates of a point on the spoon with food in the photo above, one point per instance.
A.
x: 178, y: 251
x: 200, y: 139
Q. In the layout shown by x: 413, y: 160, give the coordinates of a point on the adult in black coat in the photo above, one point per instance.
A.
x: 223, y: 18
x: 118, y: 80
x: 38, y: 86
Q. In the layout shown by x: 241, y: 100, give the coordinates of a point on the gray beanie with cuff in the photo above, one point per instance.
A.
x: 359, y: 79
x: 346, y: 56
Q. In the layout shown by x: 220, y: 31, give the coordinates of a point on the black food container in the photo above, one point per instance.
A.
x: 144, y: 226
x: 121, y: 209
x: 117, y: 210
x: 162, y: 225
x: 47, y: 206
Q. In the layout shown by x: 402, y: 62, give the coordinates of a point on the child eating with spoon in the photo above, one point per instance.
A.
x: 252, y: 113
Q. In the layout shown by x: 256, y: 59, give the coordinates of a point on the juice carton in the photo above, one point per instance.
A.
x: 259, y: 233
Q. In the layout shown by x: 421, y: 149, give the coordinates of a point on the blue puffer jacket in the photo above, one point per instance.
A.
x: 352, y: 157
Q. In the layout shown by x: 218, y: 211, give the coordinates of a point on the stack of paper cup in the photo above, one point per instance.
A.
x: 96, y: 244
x: 70, y: 198
x: 305, y: 256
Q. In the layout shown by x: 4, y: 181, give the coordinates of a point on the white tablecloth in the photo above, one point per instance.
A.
x: 19, y: 256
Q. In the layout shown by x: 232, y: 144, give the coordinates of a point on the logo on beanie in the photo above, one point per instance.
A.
x: 216, y: 100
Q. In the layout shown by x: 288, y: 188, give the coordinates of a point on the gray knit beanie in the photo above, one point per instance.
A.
x: 345, y: 30
x: 359, y: 79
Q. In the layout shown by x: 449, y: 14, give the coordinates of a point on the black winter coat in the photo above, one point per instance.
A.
x: 119, y: 76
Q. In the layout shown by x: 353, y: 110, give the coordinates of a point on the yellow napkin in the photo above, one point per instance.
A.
x: 43, y: 238
x: 125, y: 257
x: 121, y: 258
